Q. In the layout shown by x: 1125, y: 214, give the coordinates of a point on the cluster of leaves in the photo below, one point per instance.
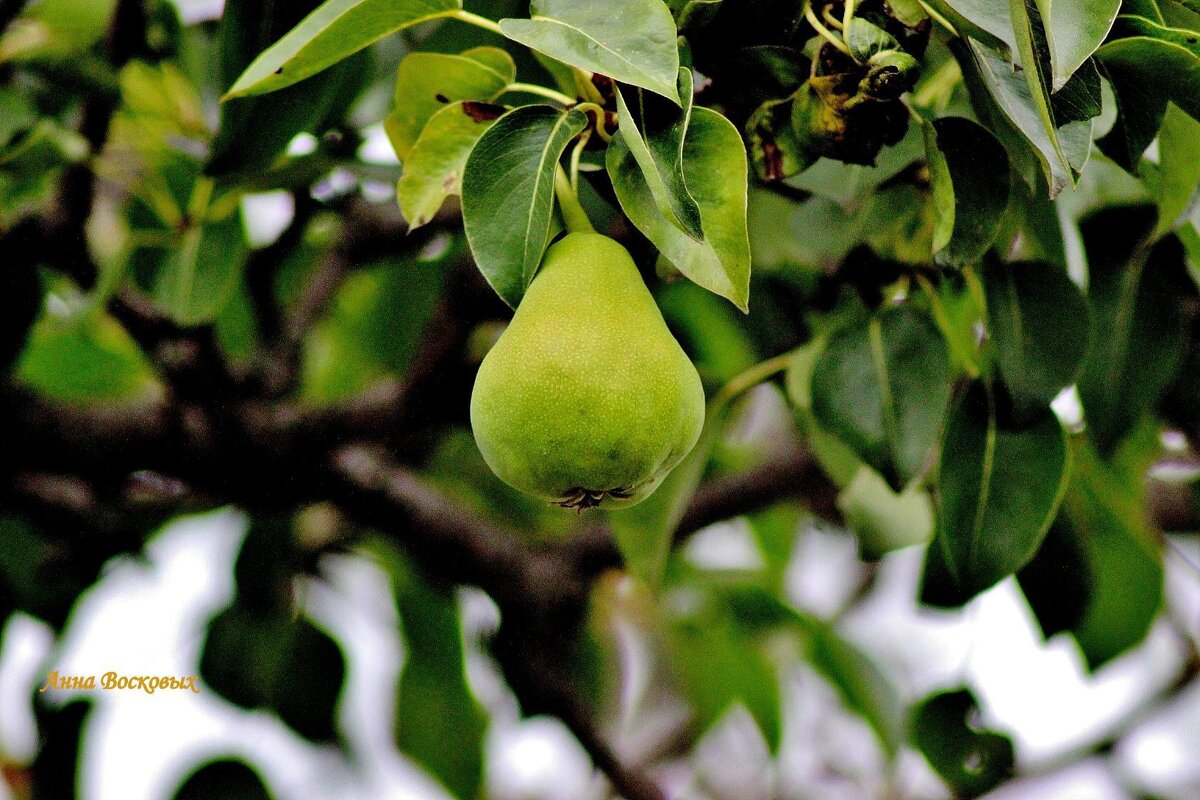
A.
x: 958, y: 211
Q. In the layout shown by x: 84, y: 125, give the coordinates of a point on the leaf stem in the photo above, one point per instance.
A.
x: 574, y: 217
x: 824, y: 32
x: 933, y: 12
x: 476, y: 20
x: 576, y: 152
x: 848, y: 14
x: 541, y: 91
x: 752, y: 377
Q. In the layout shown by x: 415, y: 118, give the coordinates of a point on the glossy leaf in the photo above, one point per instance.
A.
x: 999, y: 488
x: 971, y: 760
x: 252, y: 133
x: 714, y: 171
x: 1038, y: 327
x: 508, y: 194
x: 1155, y: 55
x: 632, y: 41
x: 881, y: 386
x: 1062, y: 143
x: 1075, y: 29
x: 336, y: 30
x: 971, y: 180
x: 427, y: 82
x: 434, y: 167
x: 1136, y: 323
x: 654, y: 131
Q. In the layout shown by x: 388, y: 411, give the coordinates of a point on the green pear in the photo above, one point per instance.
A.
x: 586, y: 399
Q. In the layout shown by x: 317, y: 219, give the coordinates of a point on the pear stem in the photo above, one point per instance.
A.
x: 575, y: 218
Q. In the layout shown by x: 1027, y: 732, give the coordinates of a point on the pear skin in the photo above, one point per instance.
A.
x: 586, y: 399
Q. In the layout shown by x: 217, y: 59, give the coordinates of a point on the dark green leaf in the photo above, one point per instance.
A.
x: 1038, y: 326
x: 56, y: 772
x: 654, y: 132
x: 971, y: 179
x: 439, y: 723
x: 971, y: 760
x: 336, y: 30
x: 223, y: 780
x: 1058, y: 582
x: 882, y: 386
x: 1136, y: 324
x: 714, y: 171
x: 999, y: 487
x: 1155, y: 55
x: 1173, y: 181
x: 1105, y: 511
x: 632, y: 41
x: 259, y: 659
x: 252, y: 133
x: 508, y: 194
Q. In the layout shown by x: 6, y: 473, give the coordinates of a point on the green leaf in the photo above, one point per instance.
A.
x: 719, y: 664
x: 195, y: 278
x: 1058, y: 581
x: 336, y: 30
x: 632, y: 41
x: 1136, y: 326
x: 508, y: 194
x: 881, y: 386
x: 434, y: 167
x: 84, y: 356
x: 439, y: 723
x: 654, y: 132
x: 1075, y: 29
x: 1038, y: 327
x: 864, y: 689
x: 271, y: 660
x: 999, y: 487
x: 1155, y: 55
x: 971, y: 760
x: 866, y: 40
x: 1174, y: 180
x: 883, y: 520
x: 56, y: 30
x: 989, y: 16
x: 426, y: 82
x: 223, y: 780
x: 1105, y: 512
x: 971, y: 180
x: 714, y: 171
x: 253, y: 132
x: 1062, y: 144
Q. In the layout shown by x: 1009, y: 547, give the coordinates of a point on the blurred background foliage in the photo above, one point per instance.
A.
x: 977, y: 302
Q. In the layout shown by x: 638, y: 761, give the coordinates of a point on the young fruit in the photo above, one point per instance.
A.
x: 586, y: 399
